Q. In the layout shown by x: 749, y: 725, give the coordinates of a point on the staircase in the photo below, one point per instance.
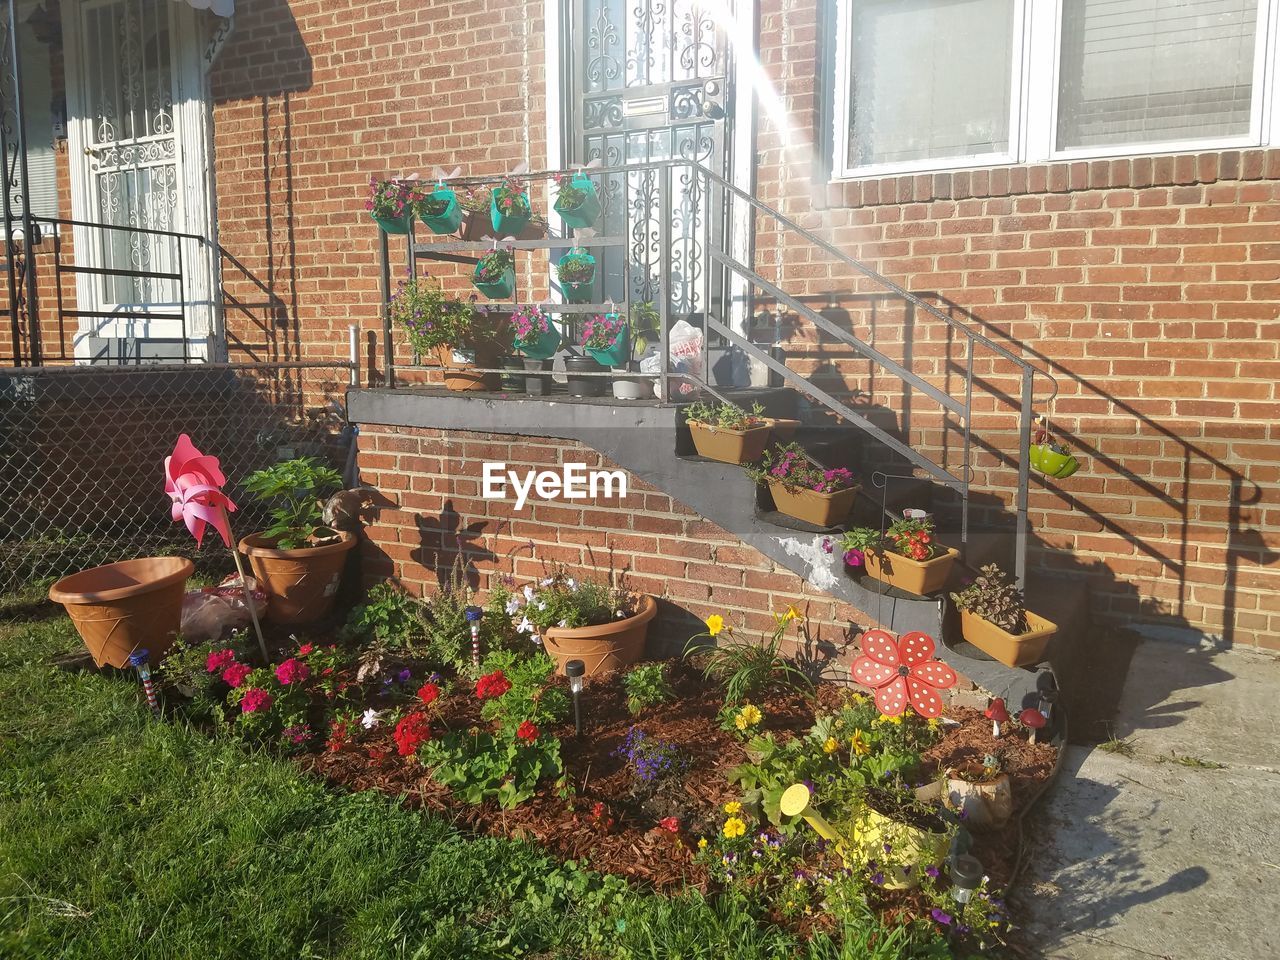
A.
x: 751, y: 250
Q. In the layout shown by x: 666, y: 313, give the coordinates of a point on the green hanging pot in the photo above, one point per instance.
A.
x: 582, y: 290
x: 585, y: 212
x: 1052, y: 463
x: 501, y: 289
x: 446, y: 222
x: 398, y: 226
x: 540, y: 346
x: 508, y: 224
x: 616, y: 354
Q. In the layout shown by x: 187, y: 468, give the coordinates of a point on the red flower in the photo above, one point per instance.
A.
x: 527, y: 732
x: 902, y: 671
x: 305, y: 649
x: 234, y: 675
x: 670, y: 824
x: 428, y: 692
x: 492, y: 685
x: 411, y: 731
x: 219, y: 659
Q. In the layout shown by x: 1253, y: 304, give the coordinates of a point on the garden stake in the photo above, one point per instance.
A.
x: 473, y: 620
x: 574, y: 670
x: 138, y: 660
x: 248, y: 595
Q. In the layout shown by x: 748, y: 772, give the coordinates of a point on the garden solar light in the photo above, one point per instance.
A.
x: 997, y: 714
x: 574, y: 670
x: 138, y: 660
x: 1032, y: 719
x: 966, y: 877
x: 1047, y: 700
x: 473, y: 620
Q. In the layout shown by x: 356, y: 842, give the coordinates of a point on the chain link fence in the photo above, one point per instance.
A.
x: 82, y: 453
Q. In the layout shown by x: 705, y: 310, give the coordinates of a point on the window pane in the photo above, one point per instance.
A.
x: 929, y: 79
x: 1148, y: 71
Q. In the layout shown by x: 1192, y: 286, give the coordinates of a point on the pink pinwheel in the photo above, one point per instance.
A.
x: 903, y: 671
x: 193, y: 482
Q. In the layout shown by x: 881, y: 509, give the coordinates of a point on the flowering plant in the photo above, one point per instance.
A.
x: 530, y: 323
x: 577, y: 266
x: 511, y: 197
x: 600, y: 331
x: 650, y: 759
x: 431, y: 201
x: 856, y: 542
x: 914, y: 537
x: 494, y: 264
x: 412, y: 730
x: 790, y: 466
x: 727, y: 416
x: 492, y: 685
x: 430, y: 319
x: 529, y: 694
x: 562, y: 601
x: 389, y: 199
x: 572, y: 192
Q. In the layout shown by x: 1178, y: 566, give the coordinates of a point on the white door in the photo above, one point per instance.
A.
x: 137, y: 106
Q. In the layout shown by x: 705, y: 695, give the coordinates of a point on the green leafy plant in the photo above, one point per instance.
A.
x: 647, y: 686
x: 511, y: 197
x: 389, y: 617
x: 493, y: 265
x: 789, y: 465
x: 994, y: 597
x: 428, y: 201
x: 576, y: 266
x: 476, y: 200
x: 448, y: 631
x: 645, y: 325
x: 294, y: 488
x: 429, y: 318
x: 478, y: 766
x: 570, y: 195
x: 914, y: 538
x: 563, y: 601
x: 748, y: 669
x: 533, y: 696
x: 388, y: 199
x: 727, y: 416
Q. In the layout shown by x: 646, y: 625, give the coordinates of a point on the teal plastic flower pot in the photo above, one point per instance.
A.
x: 399, y: 226
x: 501, y: 289
x: 1052, y: 463
x: 579, y: 291
x: 447, y: 222
x: 585, y: 213
x: 508, y: 224
x: 616, y: 354
x: 540, y: 346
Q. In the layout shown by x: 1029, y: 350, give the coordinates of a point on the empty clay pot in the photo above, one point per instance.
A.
x: 300, y: 584
x: 123, y: 606
x: 605, y: 646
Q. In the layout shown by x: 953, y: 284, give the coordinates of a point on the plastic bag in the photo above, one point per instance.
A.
x: 214, y: 612
x: 684, y: 347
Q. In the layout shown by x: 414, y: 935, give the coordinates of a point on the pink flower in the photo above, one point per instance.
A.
x: 219, y: 659
x: 305, y: 649
x: 670, y: 824
x: 234, y: 675
x: 292, y: 671
x: 256, y: 700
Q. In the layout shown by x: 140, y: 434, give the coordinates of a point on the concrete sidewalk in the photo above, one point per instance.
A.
x: 1145, y: 856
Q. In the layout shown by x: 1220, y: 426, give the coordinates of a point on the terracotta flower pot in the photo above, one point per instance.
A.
x: 300, y: 583
x: 459, y: 375
x: 1012, y: 650
x: 122, y: 606
x: 606, y: 646
x: 820, y: 509
x: 984, y: 802
x: 730, y: 446
x: 913, y: 576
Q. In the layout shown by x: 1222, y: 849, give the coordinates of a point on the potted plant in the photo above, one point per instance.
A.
x: 908, y: 557
x: 297, y: 560
x: 1051, y: 456
x: 576, y: 271
x: 901, y: 834
x: 994, y: 618
x: 390, y: 204
x: 601, y: 625
x: 495, y: 274
x: 438, y: 209
x: 804, y: 490
x: 510, y: 209
x: 121, y: 607
x: 476, y: 205
x: 727, y: 433
x: 577, y: 201
x: 445, y: 328
x: 644, y: 327
x: 980, y: 792
x: 538, y: 339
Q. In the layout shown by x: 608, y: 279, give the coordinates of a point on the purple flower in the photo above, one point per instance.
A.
x: 932, y: 871
x: 940, y: 917
x: 853, y: 557
x: 878, y: 879
x: 404, y: 675
x: 827, y: 545
x: 888, y: 848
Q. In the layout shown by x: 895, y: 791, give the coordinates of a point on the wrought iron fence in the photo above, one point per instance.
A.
x: 82, y: 450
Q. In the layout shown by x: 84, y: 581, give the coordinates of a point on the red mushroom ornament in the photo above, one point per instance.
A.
x: 997, y: 714
x: 1033, y: 719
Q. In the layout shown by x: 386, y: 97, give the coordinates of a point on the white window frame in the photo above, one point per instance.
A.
x: 1033, y: 121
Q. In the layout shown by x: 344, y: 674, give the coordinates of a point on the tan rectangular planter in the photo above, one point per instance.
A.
x: 821, y: 509
x: 913, y: 576
x: 729, y: 446
x: 1012, y: 650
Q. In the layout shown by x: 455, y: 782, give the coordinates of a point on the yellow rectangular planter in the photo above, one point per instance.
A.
x: 729, y: 446
x: 1012, y: 650
x: 820, y: 509
x: 913, y: 576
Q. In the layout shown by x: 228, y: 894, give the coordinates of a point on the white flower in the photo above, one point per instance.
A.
x: 564, y: 623
x: 528, y: 592
x: 370, y: 719
x: 513, y: 605
x: 549, y: 581
x: 524, y: 626
x: 571, y: 583
x: 542, y: 604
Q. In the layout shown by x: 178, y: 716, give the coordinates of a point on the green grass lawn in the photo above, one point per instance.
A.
x: 125, y: 837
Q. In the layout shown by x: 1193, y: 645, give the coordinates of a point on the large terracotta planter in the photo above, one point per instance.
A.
x: 820, y: 509
x: 1012, y: 650
x: 459, y: 373
x: 913, y: 576
x: 123, y: 606
x: 729, y: 446
x: 985, y: 803
x: 606, y: 646
x: 300, y: 584
x: 784, y: 430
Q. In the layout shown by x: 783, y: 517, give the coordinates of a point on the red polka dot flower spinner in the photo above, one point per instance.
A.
x: 903, y: 672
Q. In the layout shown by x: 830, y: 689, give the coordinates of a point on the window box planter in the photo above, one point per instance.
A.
x: 458, y: 364
x: 301, y: 584
x: 920, y: 577
x: 985, y: 801
x: 1013, y: 650
x: 730, y: 446
x: 585, y: 211
x: 584, y: 386
x: 784, y: 430
x: 448, y: 220
x: 501, y: 289
x: 606, y: 646
x: 123, y: 606
x: 820, y: 509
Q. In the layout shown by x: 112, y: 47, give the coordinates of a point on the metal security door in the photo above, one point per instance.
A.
x: 651, y: 80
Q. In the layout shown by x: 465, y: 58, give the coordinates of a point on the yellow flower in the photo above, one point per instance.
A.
x: 733, y: 806
x: 859, y: 745
x: 831, y: 745
x: 702, y: 843
x: 734, y: 827
x: 792, y: 614
x: 715, y: 623
x: 886, y: 719
x: 748, y: 717
x: 934, y: 723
